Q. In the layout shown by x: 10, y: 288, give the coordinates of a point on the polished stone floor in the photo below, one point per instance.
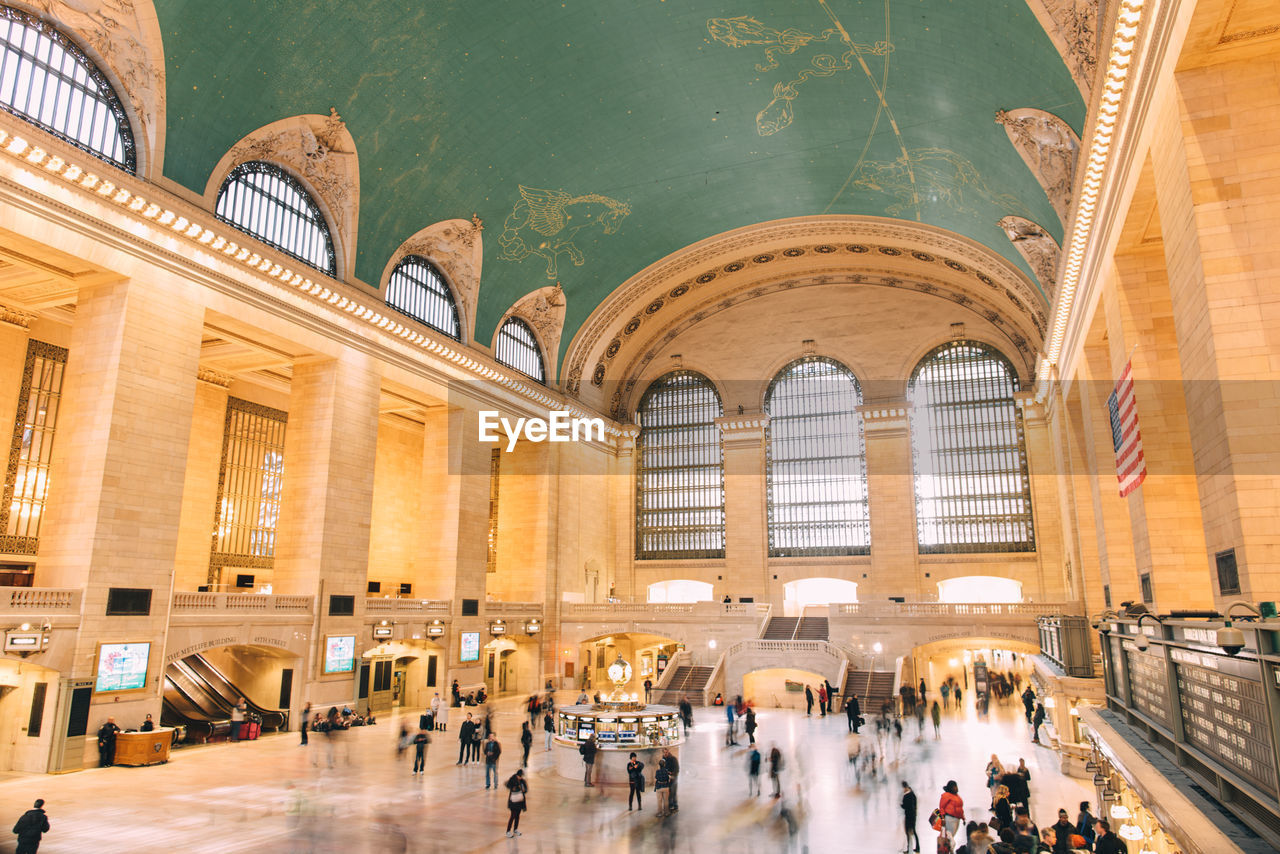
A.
x: 267, y: 796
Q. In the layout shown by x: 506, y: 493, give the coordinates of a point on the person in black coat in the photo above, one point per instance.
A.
x: 750, y: 725
x: 853, y: 709
x: 1063, y: 830
x: 1029, y: 702
x: 517, y: 801
x: 1037, y: 721
x: 107, y: 743
x: 526, y: 742
x: 466, y: 734
x: 808, y: 700
x: 831, y: 697
x: 909, y: 816
x: 1107, y: 842
x: 30, y: 827
x: 635, y: 780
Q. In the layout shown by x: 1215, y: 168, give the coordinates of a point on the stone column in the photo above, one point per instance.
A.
x: 895, y: 542
x: 322, y: 541
x: 623, y: 499
x: 117, y: 473
x: 1051, y: 584
x: 746, y: 517
x: 1213, y: 155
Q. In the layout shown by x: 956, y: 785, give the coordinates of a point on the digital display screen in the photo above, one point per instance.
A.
x: 470, y: 646
x: 340, y: 654
x: 122, y: 666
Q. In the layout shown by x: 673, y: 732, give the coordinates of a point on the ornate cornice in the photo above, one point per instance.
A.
x: 215, y: 378
x: 16, y: 317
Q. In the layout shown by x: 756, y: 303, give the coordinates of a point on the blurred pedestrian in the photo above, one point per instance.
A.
x: 420, y: 742
x: 517, y: 801
x: 526, y: 742
x: 635, y: 781
x: 33, y: 824
x: 492, y: 750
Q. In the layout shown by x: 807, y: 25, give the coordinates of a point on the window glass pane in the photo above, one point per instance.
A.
x: 249, y: 482
x: 516, y: 347
x: 48, y: 81
x: 816, y: 466
x: 680, y: 480
x: 27, y: 482
x: 417, y: 289
x: 972, y: 489
x: 265, y: 201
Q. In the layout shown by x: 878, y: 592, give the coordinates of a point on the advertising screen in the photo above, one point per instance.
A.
x: 340, y: 654
x: 470, y: 646
x: 122, y: 666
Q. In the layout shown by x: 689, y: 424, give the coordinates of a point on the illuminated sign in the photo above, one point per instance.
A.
x: 470, y: 647
x: 122, y: 666
x: 340, y: 654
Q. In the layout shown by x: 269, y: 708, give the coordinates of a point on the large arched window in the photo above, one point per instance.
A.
x: 47, y: 80
x: 417, y: 289
x: 816, y: 468
x: 972, y: 489
x: 262, y: 199
x: 680, y: 477
x: 517, y: 347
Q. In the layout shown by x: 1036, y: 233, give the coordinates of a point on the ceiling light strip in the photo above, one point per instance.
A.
x: 1128, y: 22
x: 21, y: 149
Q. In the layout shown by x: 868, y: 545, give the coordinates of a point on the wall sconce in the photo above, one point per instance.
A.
x: 497, y: 628
x: 532, y: 627
x: 435, y: 629
x: 1131, y: 832
x: 1121, y: 812
x: 383, y: 631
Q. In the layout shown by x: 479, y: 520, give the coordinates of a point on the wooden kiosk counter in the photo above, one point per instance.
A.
x: 144, y: 748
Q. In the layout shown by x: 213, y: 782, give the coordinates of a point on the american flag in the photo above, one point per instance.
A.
x: 1131, y: 465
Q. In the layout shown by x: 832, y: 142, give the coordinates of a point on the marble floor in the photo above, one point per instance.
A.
x: 268, y: 796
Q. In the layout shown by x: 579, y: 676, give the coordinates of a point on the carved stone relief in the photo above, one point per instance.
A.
x: 457, y: 248
x: 123, y: 39
x: 544, y: 310
x: 1040, y: 250
x: 319, y: 150
x: 1073, y: 28
x: 1050, y: 149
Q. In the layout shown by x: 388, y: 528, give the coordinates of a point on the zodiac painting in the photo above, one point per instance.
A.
x: 545, y: 223
x: 934, y: 175
x: 746, y: 31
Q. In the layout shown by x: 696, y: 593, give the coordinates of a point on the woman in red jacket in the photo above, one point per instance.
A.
x: 952, y: 809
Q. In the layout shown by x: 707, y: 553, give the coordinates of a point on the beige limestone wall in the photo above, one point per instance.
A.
x: 394, y: 526
x: 200, y: 488
x: 527, y: 481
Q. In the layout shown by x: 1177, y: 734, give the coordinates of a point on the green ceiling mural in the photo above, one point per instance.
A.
x: 595, y: 138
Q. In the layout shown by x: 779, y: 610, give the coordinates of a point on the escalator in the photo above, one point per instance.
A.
x: 197, y: 696
x: 222, y: 688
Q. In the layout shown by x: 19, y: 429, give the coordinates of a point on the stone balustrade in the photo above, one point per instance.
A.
x: 39, y: 600
x: 185, y: 602
x: 387, y: 605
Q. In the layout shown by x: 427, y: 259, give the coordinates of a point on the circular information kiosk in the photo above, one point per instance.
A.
x: 621, y: 726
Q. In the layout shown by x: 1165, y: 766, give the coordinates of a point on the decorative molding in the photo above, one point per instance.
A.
x: 456, y: 247
x: 784, y: 243
x: 16, y: 317
x: 215, y: 378
x: 1051, y: 150
x: 123, y: 39
x: 1072, y: 26
x: 318, y: 150
x: 1037, y: 246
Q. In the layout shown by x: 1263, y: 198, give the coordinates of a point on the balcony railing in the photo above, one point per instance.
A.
x: 39, y: 600
x: 241, y: 603
x: 625, y: 610
x: 438, y: 607
x: 951, y: 609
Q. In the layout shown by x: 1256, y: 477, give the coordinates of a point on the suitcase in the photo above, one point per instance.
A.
x: 249, y: 730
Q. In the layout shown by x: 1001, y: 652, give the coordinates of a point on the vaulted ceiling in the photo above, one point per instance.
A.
x: 596, y: 138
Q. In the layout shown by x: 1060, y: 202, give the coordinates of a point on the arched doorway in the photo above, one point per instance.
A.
x: 648, y: 654
x: 402, y: 674
x: 201, y: 689
x: 779, y: 687
x: 980, y: 589
x: 680, y: 590
x: 803, y: 592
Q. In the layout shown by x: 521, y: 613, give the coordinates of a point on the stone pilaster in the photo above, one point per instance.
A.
x: 891, y: 491
x: 746, y: 517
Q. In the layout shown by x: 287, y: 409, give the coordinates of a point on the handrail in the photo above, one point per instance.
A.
x: 765, y: 612
x: 673, y: 664
x: 716, y: 673
x: 188, y: 602
x: 387, y: 605
x: 53, y: 600
x: 951, y: 609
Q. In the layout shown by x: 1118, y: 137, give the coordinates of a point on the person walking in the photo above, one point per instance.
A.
x: 33, y: 824
x: 750, y: 726
x: 306, y: 722
x: 1001, y: 806
x: 822, y: 700
x: 107, y: 743
x: 517, y: 801
x: 909, y: 808
x: 686, y: 713
x: 753, y: 771
x: 237, y: 718
x: 924, y: 695
x: 775, y: 770
x: 731, y: 734
x: 673, y: 768
x: 588, y: 752
x: 1085, y: 825
x: 635, y: 782
x: 465, y: 733
x: 648, y: 690
x: 1037, y: 721
x: 442, y: 717
x: 853, y: 709
x: 936, y: 714
x: 420, y: 742
x: 662, y: 788
x: 435, y: 709
x: 946, y: 693
x: 808, y: 701
x: 952, y: 808
x: 1029, y: 702
x: 1063, y: 829
x: 526, y: 742
x: 548, y: 728
x: 492, y: 750
x: 831, y: 697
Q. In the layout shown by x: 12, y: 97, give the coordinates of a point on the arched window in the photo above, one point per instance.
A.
x: 417, y: 289
x: 516, y: 347
x: 267, y: 202
x: 816, y: 467
x: 680, y: 477
x: 972, y: 489
x: 48, y: 81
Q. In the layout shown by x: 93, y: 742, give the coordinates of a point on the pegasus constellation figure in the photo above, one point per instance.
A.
x: 545, y: 223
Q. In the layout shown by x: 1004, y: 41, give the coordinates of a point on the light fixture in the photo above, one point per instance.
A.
x: 711, y: 644
x: 497, y: 628
x: 1229, y: 637
x: 532, y: 627
x: 1121, y: 812
x: 435, y: 628
x: 383, y: 630
x: 877, y: 648
x: 1132, y: 833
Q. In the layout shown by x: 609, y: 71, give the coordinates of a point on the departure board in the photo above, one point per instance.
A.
x: 1148, y: 685
x: 1224, y: 714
